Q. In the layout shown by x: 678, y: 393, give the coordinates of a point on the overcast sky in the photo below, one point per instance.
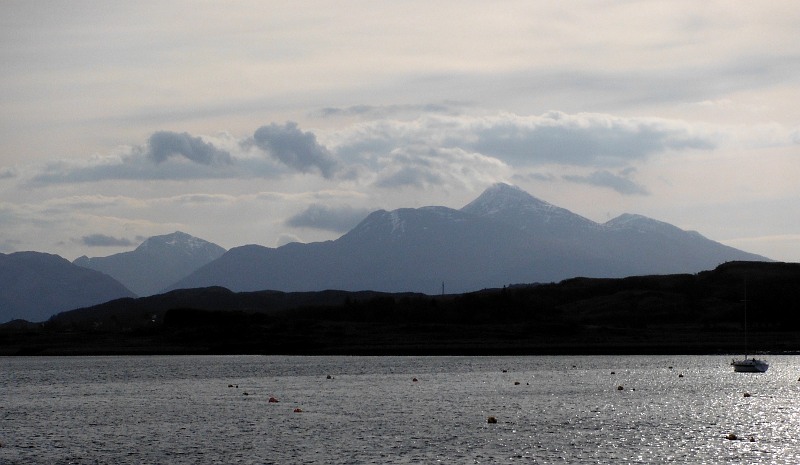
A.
x: 269, y: 122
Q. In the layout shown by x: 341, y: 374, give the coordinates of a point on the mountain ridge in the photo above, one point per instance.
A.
x: 504, y: 236
x: 511, y: 204
x: 36, y: 285
x: 157, y: 262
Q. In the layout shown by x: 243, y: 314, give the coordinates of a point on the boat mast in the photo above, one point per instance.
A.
x: 745, y: 318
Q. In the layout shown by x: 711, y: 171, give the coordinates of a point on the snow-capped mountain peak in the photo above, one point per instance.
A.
x: 158, y: 261
x: 501, y: 197
x: 180, y: 242
x: 511, y: 204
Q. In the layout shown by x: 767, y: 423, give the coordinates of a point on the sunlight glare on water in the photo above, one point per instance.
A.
x: 193, y: 409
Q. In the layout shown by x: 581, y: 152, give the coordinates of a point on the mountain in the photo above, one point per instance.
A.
x: 406, y: 249
x: 662, y: 247
x: 512, y: 205
x: 504, y: 236
x: 157, y: 262
x: 35, y: 286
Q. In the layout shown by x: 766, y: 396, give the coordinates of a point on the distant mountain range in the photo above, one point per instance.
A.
x: 505, y: 236
x: 35, y: 286
x: 156, y: 263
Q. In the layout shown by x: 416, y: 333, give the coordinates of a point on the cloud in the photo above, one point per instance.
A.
x: 383, y: 111
x: 427, y: 151
x: 166, y: 156
x: 201, y: 199
x: 164, y: 144
x: 7, y: 173
x: 102, y: 240
x: 450, y: 150
x: 90, y: 202
x: 433, y: 150
x: 286, y: 238
x: 133, y: 165
x: 582, y: 139
x: 415, y: 176
x: 604, y: 178
x: 424, y: 167
x: 337, y: 219
x: 295, y: 148
x: 796, y: 136
x: 547, y: 177
x: 9, y: 245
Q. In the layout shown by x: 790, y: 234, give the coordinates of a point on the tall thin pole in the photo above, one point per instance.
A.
x: 745, y: 318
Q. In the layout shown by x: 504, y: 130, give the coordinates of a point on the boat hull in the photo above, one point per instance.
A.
x: 750, y: 365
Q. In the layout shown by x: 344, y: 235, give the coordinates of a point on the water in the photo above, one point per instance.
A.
x: 181, y: 410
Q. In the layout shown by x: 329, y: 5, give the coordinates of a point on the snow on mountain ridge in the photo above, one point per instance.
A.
x: 501, y: 197
x: 512, y: 204
x: 644, y: 225
x: 156, y: 262
x: 396, y: 222
x: 639, y: 223
x: 177, y: 241
x: 398, y: 225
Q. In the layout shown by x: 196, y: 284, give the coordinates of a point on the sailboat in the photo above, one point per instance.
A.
x: 748, y: 365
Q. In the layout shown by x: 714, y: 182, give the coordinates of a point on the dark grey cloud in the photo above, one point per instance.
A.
x: 620, y: 183
x: 582, y: 140
x: 295, y: 148
x: 164, y: 144
x: 166, y: 156
x: 337, y: 219
x: 135, y: 166
x: 419, y: 152
x: 102, y: 240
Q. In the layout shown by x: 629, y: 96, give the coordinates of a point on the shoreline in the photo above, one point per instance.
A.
x: 384, y: 344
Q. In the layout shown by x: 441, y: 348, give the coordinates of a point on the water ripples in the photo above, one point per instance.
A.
x: 176, y: 410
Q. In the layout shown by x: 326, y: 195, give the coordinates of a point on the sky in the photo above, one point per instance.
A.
x: 270, y: 122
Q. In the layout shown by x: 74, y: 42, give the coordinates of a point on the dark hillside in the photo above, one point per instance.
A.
x: 35, y: 286
x: 684, y: 313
